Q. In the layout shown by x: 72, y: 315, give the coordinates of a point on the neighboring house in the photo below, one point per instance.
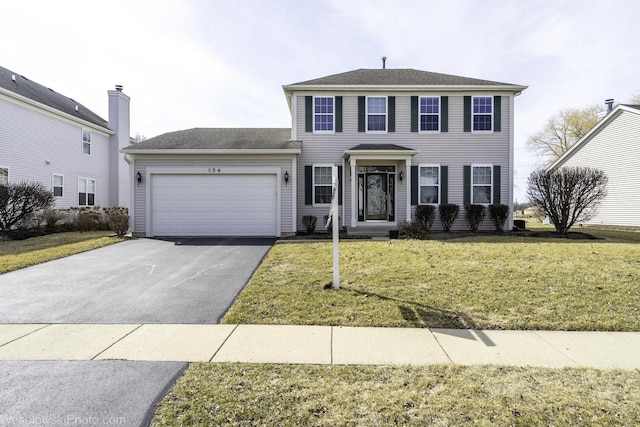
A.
x: 49, y: 138
x: 399, y: 137
x: 612, y: 145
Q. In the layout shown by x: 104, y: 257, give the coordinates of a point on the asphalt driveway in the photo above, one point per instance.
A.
x: 137, y: 281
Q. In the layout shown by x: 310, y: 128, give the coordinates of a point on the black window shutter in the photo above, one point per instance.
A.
x: 496, y: 184
x: 339, y: 185
x: 308, y: 185
x: 467, y: 114
x: 308, y: 113
x: 444, y: 114
x: 414, y: 114
x: 497, y: 113
x: 361, y: 113
x: 415, y: 177
x: 466, y: 186
x: 338, y: 114
x: 444, y: 184
x: 391, y: 118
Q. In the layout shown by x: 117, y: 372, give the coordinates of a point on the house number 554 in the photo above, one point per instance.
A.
x: 214, y: 170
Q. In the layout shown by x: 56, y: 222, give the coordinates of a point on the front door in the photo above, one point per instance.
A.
x: 376, y: 193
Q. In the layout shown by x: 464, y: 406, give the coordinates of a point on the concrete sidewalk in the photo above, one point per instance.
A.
x: 318, y: 345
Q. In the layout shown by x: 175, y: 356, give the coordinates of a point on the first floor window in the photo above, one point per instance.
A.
x: 321, y: 184
x: 429, y: 113
x: 4, y: 176
x: 482, y: 111
x: 58, y: 185
x: 86, y: 142
x: 481, y: 184
x: 323, y: 114
x: 86, y: 192
x: 429, y: 185
x: 377, y: 114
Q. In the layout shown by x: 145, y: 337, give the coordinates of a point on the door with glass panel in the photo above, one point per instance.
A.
x: 376, y: 193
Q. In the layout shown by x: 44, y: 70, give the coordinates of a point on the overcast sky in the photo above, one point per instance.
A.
x: 222, y: 63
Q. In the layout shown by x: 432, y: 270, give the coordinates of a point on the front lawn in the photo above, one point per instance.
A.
x: 16, y: 254
x: 484, y: 281
x: 245, y: 394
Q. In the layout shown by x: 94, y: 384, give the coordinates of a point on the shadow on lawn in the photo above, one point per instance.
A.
x: 424, y: 316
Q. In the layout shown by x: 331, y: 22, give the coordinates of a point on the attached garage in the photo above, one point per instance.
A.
x: 214, y: 182
x: 214, y: 205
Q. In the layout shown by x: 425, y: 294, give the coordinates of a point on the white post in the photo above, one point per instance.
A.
x: 335, y: 220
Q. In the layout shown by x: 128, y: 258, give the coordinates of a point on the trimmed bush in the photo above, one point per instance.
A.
x: 309, y: 222
x: 90, y: 218
x: 413, y: 230
x: 498, y: 215
x: 51, y: 218
x: 118, y: 219
x: 425, y: 214
x: 474, y: 214
x: 448, y: 214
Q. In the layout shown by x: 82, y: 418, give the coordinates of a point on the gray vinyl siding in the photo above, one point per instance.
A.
x: 616, y: 150
x: 35, y: 144
x: 454, y: 148
x: 141, y: 163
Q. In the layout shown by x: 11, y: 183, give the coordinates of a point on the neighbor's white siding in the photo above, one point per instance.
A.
x: 34, y: 145
x: 454, y: 148
x: 616, y: 150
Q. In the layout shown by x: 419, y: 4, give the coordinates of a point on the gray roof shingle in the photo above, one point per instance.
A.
x: 36, y: 92
x: 397, y: 77
x: 384, y: 147
x: 221, y: 139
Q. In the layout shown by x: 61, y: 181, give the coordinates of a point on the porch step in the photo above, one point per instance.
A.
x: 382, y: 231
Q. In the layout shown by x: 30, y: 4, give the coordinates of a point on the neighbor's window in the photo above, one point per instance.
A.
x: 376, y: 113
x: 4, y: 176
x: 86, y: 192
x: 429, y: 184
x: 86, y: 142
x: 323, y: 111
x: 58, y: 185
x: 481, y: 184
x: 321, y: 184
x: 429, y: 113
x: 482, y: 110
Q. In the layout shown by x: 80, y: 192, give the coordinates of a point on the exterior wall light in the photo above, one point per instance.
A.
x: 401, y: 176
x: 286, y: 177
x: 139, y: 177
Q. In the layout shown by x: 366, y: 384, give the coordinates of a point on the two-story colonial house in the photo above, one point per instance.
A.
x: 399, y: 137
x: 49, y: 138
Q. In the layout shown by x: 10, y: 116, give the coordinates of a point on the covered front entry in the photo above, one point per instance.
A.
x: 376, y: 193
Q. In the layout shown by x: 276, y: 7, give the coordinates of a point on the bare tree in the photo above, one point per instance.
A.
x: 19, y: 201
x: 139, y: 138
x: 635, y: 99
x: 568, y: 194
x: 562, y: 130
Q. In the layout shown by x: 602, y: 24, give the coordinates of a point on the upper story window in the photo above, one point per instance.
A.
x: 4, y: 176
x: 429, y: 184
x: 481, y: 184
x: 86, y: 192
x: 322, y: 177
x: 58, y: 185
x: 482, y: 112
x: 86, y: 142
x: 323, y: 114
x: 429, y: 113
x: 376, y: 114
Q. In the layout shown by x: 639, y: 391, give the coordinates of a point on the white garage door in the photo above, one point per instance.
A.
x: 213, y: 205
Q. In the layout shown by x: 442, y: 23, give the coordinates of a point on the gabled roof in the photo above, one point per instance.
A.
x: 219, y: 139
x: 617, y: 111
x: 390, y: 77
x: 43, y: 95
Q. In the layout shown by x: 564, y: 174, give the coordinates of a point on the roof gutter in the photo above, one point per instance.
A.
x: 163, y: 151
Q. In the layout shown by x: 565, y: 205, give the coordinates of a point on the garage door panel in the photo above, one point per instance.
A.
x: 213, y: 205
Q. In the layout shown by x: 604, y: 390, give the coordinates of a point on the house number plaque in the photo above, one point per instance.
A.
x: 214, y: 170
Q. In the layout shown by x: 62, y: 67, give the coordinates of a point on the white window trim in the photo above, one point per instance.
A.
x: 83, y: 142
x: 95, y: 190
x: 53, y: 183
x: 8, y: 173
x: 313, y: 193
x: 386, y: 115
x: 474, y: 114
x: 439, y: 115
x: 313, y: 106
x: 430, y: 165
x: 482, y: 185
